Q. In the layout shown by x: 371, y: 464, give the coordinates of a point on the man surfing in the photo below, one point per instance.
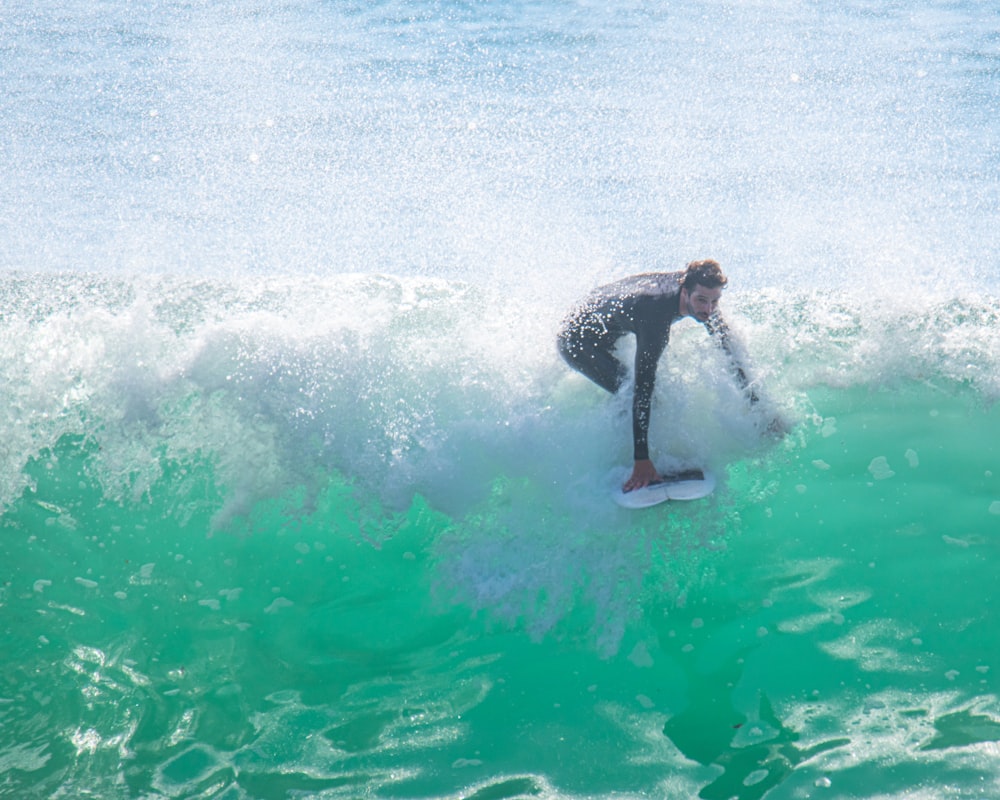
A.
x: 645, y: 305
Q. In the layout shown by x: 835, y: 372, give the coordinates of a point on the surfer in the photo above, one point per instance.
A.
x: 645, y: 305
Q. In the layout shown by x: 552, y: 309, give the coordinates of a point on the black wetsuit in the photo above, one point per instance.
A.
x: 645, y: 305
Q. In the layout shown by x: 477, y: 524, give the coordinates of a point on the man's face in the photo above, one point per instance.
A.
x: 701, y: 302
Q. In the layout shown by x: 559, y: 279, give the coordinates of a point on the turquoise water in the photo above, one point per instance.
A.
x: 298, y: 500
x: 209, y: 596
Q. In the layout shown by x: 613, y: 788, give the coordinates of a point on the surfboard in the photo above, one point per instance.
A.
x: 689, y: 484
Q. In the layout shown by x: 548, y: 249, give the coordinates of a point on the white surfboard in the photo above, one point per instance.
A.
x: 689, y: 484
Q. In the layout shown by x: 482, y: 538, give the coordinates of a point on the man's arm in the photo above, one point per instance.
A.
x: 777, y: 425
x: 648, y: 350
x: 717, y: 327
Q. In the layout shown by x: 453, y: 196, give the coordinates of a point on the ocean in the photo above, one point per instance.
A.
x: 298, y: 500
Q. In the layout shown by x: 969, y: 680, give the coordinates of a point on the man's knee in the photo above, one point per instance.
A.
x: 566, y: 348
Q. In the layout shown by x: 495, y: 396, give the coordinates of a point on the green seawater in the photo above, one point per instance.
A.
x: 825, y: 625
x: 298, y: 500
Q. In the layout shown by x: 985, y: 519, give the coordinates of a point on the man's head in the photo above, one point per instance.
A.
x: 705, y: 273
x: 701, y: 288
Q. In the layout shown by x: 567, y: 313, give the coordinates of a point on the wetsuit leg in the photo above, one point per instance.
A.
x: 588, y: 349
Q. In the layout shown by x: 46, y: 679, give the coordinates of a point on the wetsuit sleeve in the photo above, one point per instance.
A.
x: 718, y: 327
x: 649, y: 347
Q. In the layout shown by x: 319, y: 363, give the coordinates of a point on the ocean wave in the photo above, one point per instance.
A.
x: 410, y: 385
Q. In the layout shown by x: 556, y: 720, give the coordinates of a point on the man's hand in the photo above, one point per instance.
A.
x: 778, y: 427
x: 643, y: 474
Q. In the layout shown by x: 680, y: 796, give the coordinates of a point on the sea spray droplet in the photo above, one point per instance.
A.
x: 912, y: 458
x: 880, y: 469
x: 995, y: 507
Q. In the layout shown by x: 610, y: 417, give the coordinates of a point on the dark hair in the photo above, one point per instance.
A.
x: 705, y: 273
